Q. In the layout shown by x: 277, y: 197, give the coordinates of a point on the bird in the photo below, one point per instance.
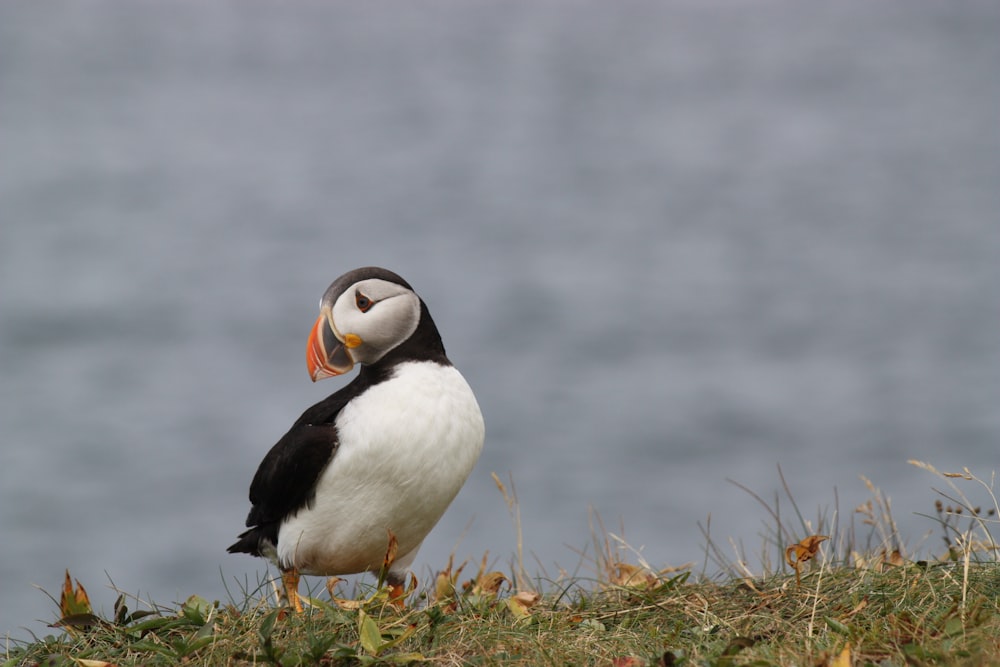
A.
x: 378, y: 461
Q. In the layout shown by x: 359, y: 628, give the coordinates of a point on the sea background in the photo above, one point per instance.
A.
x: 669, y: 244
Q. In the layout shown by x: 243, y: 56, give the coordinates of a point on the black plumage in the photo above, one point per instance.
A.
x: 286, y: 479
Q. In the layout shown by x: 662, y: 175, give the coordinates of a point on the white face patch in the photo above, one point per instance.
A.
x: 390, y: 316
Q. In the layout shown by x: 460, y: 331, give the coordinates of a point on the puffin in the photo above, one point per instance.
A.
x: 368, y: 471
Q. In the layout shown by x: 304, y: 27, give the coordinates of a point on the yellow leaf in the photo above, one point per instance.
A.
x: 519, y: 611
x: 804, y: 550
x: 631, y: 576
x: 843, y: 659
x: 84, y: 662
x: 444, y: 585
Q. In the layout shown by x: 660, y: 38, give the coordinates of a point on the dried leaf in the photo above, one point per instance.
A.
x: 804, y: 550
x: 390, y: 552
x: 520, y: 605
x: 445, y: 591
x: 412, y: 585
x: 489, y: 584
x: 895, y: 558
x: 444, y: 586
x: 74, y: 601
x: 631, y: 576
x: 84, y: 662
x: 331, y: 586
x: 346, y: 604
x: 349, y: 605
x: 486, y: 583
x: 527, y: 598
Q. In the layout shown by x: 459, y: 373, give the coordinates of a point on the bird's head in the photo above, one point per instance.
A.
x: 363, y: 315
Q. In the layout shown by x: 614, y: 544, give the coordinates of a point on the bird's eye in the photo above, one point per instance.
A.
x: 363, y: 302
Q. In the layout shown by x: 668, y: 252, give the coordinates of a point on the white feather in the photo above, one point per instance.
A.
x: 407, y: 446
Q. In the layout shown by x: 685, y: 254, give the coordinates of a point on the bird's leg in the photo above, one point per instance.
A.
x: 397, y: 589
x: 290, y: 583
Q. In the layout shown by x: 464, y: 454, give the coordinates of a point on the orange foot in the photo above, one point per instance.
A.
x: 290, y: 583
x: 398, y: 590
x: 397, y: 595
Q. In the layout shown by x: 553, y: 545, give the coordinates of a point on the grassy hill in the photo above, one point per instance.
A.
x: 817, y: 599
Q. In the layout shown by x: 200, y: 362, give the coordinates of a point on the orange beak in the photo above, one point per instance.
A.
x: 326, y: 354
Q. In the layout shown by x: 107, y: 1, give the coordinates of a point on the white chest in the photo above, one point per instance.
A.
x: 406, y: 447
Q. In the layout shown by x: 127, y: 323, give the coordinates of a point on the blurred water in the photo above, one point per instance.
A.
x: 667, y: 243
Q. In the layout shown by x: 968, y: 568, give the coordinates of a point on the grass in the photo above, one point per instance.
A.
x: 858, y: 598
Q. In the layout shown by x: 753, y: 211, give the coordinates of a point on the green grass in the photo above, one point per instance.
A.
x: 852, y: 605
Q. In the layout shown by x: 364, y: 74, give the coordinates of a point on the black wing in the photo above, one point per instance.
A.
x: 286, y: 482
x: 286, y: 479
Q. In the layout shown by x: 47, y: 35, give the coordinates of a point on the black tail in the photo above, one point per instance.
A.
x: 249, y: 542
